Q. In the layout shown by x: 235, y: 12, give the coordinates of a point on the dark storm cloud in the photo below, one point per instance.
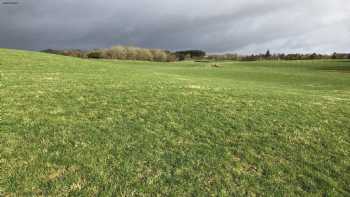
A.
x: 215, y: 26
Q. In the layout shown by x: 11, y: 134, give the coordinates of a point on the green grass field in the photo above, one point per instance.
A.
x: 78, y: 127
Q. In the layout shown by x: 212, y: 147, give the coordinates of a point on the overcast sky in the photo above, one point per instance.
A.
x: 242, y: 26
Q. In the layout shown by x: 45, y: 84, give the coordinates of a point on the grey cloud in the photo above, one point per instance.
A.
x: 215, y: 26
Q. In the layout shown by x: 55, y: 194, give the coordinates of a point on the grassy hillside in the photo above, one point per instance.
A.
x: 85, y: 127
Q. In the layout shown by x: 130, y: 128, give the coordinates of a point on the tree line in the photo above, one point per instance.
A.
x: 119, y: 52
x: 132, y: 53
x: 159, y: 55
x: 279, y: 56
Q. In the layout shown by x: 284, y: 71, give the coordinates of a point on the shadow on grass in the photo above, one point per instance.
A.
x: 342, y: 68
x: 347, y: 61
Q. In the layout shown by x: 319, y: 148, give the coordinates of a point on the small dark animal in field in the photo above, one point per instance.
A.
x: 216, y: 65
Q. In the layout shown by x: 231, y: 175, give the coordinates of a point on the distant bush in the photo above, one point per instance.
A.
x: 190, y: 54
x: 131, y: 53
x: 340, y: 56
x: 171, y: 57
x: 159, y: 55
x: 232, y: 57
x: 117, y: 52
x: 95, y: 54
x: 75, y: 53
x: 121, y: 53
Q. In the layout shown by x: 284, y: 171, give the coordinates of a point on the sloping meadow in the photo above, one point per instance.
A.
x: 91, y: 127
